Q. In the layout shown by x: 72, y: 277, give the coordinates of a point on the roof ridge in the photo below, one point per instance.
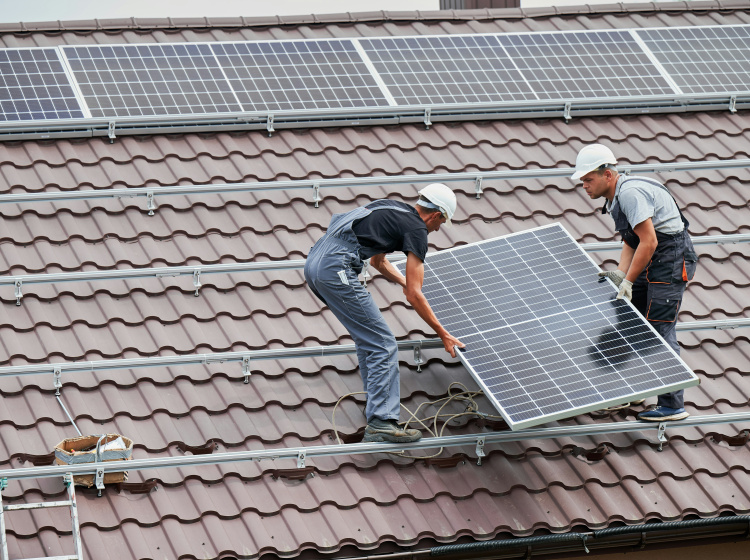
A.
x: 381, y: 15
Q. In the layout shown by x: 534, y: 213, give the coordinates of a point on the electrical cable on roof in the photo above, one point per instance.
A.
x: 472, y: 409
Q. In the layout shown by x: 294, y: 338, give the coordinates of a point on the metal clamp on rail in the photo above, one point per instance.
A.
x: 197, y: 281
x: 316, y: 194
x: 480, y: 450
x: 661, y: 435
x: 111, y: 131
x: 19, y: 291
x: 566, y: 112
x: 246, y: 368
x: 57, y: 373
x: 418, y: 356
x: 427, y: 119
x: 301, y: 460
x: 99, y: 481
x: 733, y: 104
x: 478, y: 187
x: 269, y: 125
x: 150, y: 203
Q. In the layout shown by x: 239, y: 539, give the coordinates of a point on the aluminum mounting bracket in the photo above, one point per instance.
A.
x: 478, y: 187
x: 197, y: 281
x: 111, y: 131
x: 480, y: 450
x: 57, y: 373
x: 661, y: 435
x: 301, y: 460
x: 418, y: 356
x: 19, y: 291
x: 246, y: 368
x: 150, y: 203
x: 316, y: 194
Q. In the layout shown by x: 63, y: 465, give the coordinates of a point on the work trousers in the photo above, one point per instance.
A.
x: 330, y: 273
x: 659, y: 304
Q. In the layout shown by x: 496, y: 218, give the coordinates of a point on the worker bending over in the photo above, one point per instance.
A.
x: 657, y: 259
x: 331, y: 270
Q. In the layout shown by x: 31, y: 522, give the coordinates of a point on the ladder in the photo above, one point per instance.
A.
x: 70, y: 502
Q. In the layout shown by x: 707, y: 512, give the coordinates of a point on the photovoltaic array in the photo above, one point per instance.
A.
x: 544, y: 337
x: 174, y: 79
x: 703, y: 59
x: 34, y: 86
x: 581, y: 65
x: 298, y: 75
x: 149, y: 80
x: 473, y: 69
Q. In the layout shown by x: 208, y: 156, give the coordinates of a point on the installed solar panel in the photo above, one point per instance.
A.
x: 287, y: 75
x: 34, y: 86
x: 450, y: 69
x: 585, y: 65
x: 514, y: 67
x: 544, y: 338
x: 703, y: 59
x: 147, y: 80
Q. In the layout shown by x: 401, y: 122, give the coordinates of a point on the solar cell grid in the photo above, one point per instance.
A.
x: 150, y: 80
x: 436, y: 70
x: 703, y: 60
x: 546, y: 339
x: 34, y: 86
x: 298, y: 75
x: 600, y: 64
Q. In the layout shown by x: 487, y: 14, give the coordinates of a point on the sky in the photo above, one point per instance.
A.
x: 52, y: 10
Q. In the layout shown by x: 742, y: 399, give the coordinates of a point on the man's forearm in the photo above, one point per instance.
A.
x: 423, y: 309
x: 640, y: 260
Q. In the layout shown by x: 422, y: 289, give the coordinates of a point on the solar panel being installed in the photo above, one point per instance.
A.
x: 544, y: 338
x: 148, y: 80
x: 285, y: 75
x: 34, y: 86
x: 703, y: 59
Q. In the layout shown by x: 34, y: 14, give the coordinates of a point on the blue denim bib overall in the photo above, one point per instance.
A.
x: 331, y: 271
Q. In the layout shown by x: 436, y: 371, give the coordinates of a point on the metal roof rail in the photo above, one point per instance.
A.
x: 246, y: 358
x: 314, y: 186
x: 18, y: 281
x: 238, y: 121
x: 302, y: 454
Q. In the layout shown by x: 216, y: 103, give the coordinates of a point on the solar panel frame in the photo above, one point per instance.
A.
x: 150, y: 79
x: 299, y: 75
x: 35, y: 85
x: 686, y: 56
x: 557, y: 368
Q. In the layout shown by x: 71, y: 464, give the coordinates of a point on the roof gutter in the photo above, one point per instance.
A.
x: 626, y: 536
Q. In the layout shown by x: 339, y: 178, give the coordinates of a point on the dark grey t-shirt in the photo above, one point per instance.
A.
x: 389, y: 230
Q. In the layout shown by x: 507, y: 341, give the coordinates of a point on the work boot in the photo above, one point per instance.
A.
x: 389, y: 431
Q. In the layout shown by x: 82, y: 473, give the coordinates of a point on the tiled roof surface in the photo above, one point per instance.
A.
x: 352, y: 504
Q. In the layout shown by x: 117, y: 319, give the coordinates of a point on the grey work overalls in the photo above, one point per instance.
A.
x: 658, y: 290
x: 331, y: 271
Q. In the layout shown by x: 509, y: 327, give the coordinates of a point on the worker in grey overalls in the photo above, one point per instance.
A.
x: 658, y: 258
x: 331, y: 271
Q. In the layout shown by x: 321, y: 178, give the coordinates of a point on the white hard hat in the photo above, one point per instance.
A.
x: 592, y: 157
x: 442, y: 197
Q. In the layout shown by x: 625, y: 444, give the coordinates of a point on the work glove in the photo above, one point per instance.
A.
x: 617, y: 276
x: 626, y: 290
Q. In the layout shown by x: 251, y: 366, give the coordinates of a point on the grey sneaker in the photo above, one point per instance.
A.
x: 390, y: 431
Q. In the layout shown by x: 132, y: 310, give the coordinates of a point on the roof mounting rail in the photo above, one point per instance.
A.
x: 275, y: 354
x: 296, y: 264
x: 225, y: 188
x: 366, y: 448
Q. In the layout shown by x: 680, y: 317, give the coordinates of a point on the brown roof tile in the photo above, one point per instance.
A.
x: 352, y: 503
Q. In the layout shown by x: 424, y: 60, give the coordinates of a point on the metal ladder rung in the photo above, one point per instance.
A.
x: 38, y: 505
x: 71, y: 503
x: 72, y: 557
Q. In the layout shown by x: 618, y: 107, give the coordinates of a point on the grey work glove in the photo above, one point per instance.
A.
x: 617, y: 276
x: 626, y: 290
